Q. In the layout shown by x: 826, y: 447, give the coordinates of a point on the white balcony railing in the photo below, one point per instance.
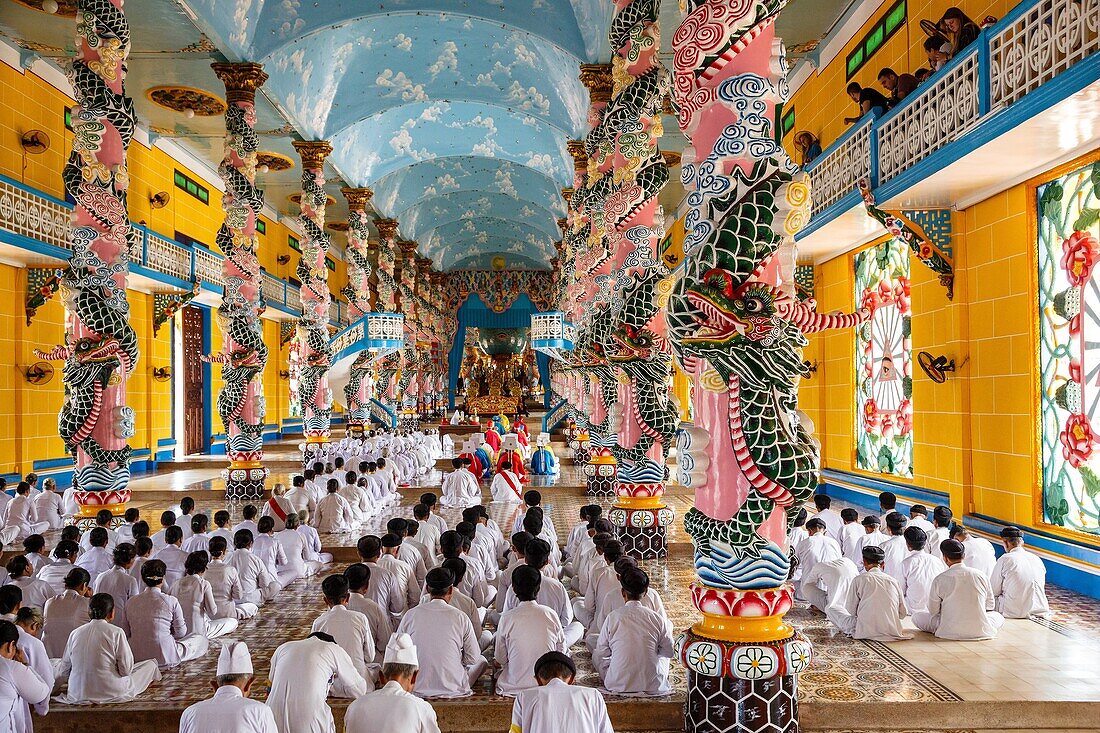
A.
x: 834, y: 175
x: 168, y: 257
x: 33, y: 216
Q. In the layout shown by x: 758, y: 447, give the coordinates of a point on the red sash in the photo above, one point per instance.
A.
x: 511, y: 485
x: 277, y: 509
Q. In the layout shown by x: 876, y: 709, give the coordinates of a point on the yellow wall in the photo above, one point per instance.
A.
x: 975, y: 435
x: 821, y: 103
x: 30, y: 412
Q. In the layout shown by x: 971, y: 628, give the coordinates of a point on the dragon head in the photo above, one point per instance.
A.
x: 631, y: 344
x: 244, y: 357
x: 89, y: 350
x: 727, y: 311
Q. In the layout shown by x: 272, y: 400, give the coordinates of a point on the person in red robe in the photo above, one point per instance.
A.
x: 492, y: 437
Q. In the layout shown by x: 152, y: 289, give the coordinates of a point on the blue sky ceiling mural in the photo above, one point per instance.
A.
x: 456, y: 112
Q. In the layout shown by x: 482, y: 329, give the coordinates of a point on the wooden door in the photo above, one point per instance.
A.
x: 192, y: 381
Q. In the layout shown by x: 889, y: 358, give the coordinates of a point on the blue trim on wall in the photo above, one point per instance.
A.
x: 161, y: 442
x: 49, y: 463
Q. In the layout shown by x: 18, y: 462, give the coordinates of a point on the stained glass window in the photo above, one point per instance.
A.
x: 884, y: 377
x: 1069, y: 347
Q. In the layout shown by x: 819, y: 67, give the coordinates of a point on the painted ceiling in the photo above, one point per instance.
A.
x: 456, y: 112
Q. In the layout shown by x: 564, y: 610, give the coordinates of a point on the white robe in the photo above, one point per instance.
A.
x: 120, y: 585
x: 1019, y: 584
x: 37, y: 659
x: 20, y: 514
x: 849, y: 536
x: 101, y: 667
x: 935, y: 537
x: 228, y: 711
x: 833, y: 523
x: 333, y: 515
x: 874, y: 539
x: 35, y: 592
x: 96, y: 561
x: 174, y: 559
x: 225, y: 582
x: 633, y: 651
x: 49, y: 508
x: 301, y: 673
x: 503, y: 491
x: 352, y: 632
x: 816, y: 548
x: 444, y: 636
x: 896, y: 550
x: 960, y: 606
x: 557, y: 707
x: 524, y: 634
x: 258, y: 585
x: 826, y: 587
x: 389, y: 709
x: 919, y: 569
x: 875, y: 608
x: 980, y: 555
x: 20, y: 687
x: 460, y: 490
x: 158, y: 630
x: 200, y: 609
x: 61, y: 615
x: 298, y: 562
x: 381, y: 626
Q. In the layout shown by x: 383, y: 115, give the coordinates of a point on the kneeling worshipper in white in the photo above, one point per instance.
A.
x: 960, y: 601
x: 301, y: 674
x: 557, y: 705
x: 20, y: 520
x: 298, y: 555
x: 825, y: 586
x: 818, y: 546
x: 334, y: 514
x: 99, y: 663
x: 393, y: 707
x: 278, y: 507
x: 196, y: 597
x: 919, y: 569
x: 460, y: 487
x: 20, y: 685
x: 980, y: 554
x: 445, y: 635
x: 506, y: 486
x: 157, y: 627
x: 230, y: 710
x: 66, y: 612
x: 350, y: 629
x: 525, y: 633
x: 635, y: 644
x: 1019, y: 579
x: 258, y: 585
x: 874, y: 607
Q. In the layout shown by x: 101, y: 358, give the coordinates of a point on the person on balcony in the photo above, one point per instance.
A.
x: 959, y: 28
x: 868, y: 100
x: 808, y: 145
x: 900, y: 86
x: 938, y: 51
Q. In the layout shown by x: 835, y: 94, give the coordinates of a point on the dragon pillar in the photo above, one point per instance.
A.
x: 101, y: 347
x: 313, y: 336
x: 358, y: 390
x: 737, y: 331
x: 633, y: 221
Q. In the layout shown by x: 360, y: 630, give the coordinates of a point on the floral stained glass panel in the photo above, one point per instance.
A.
x: 884, y: 375
x: 1069, y: 348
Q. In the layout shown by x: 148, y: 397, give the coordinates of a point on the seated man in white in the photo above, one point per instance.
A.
x: 225, y: 582
x: 894, y: 547
x: 833, y: 522
x: 464, y: 603
x: 635, y: 644
x: 302, y: 673
x: 99, y: 663
x: 444, y: 635
x: 196, y: 597
x: 158, y: 630
x: 96, y: 559
x: 258, y: 585
x: 230, y: 709
x: 557, y: 705
x: 871, y: 537
x: 381, y: 624
x: 172, y: 555
x: 507, y: 488
x: 980, y: 554
x: 819, y: 546
x: 1019, y: 579
x: 825, y: 586
x: 393, y: 707
x: 460, y: 487
x: 334, y: 514
x: 267, y: 548
x: 525, y: 633
x: 960, y: 601
x: 119, y: 583
x: 874, y: 607
x: 919, y: 569
x: 21, y: 516
x: 350, y: 629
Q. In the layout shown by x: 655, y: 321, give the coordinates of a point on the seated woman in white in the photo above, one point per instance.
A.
x: 225, y: 582
x: 21, y: 573
x: 196, y: 597
x: 158, y: 630
x: 298, y: 562
x: 20, y: 685
x: 99, y: 663
x: 64, y: 613
x: 119, y: 583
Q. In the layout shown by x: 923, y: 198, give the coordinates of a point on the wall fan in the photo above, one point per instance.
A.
x: 937, y: 367
x: 162, y: 374
x: 40, y: 372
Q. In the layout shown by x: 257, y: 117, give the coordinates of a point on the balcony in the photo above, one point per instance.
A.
x: 1020, y: 100
x: 35, y: 232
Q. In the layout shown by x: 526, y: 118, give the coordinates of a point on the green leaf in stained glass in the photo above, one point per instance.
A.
x: 1086, y: 219
x: 1090, y: 482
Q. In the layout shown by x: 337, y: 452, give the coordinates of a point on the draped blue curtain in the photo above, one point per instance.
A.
x: 475, y: 314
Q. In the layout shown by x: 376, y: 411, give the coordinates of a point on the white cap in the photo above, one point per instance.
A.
x: 400, y: 650
x: 234, y: 659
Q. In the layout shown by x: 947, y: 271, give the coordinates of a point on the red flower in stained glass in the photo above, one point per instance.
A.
x: 1079, y: 253
x: 1077, y: 439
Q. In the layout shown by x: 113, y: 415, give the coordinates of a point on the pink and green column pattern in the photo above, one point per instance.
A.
x: 313, y: 336
x: 101, y: 347
x: 737, y: 331
x: 358, y: 390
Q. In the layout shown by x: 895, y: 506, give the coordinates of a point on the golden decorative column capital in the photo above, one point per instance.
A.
x: 672, y: 158
x: 424, y: 264
x: 387, y: 228
x: 567, y: 194
x: 563, y: 224
x: 241, y: 80
x: 408, y: 248
x: 597, y: 78
x: 358, y: 198
x: 313, y: 152
x: 580, y: 155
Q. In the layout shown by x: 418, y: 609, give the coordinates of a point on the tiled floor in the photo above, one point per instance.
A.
x: 1056, y: 659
